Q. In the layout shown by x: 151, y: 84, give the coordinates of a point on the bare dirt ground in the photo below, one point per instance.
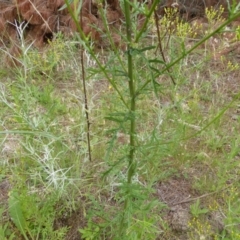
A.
x: 41, y: 19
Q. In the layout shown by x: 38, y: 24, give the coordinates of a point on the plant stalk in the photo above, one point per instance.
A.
x: 148, y: 16
x: 85, y: 97
x: 186, y: 53
x: 84, y: 39
x: 131, y: 90
x: 160, y: 45
x: 82, y: 35
x: 131, y: 85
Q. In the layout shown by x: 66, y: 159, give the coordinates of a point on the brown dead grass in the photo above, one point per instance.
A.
x: 44, y: 17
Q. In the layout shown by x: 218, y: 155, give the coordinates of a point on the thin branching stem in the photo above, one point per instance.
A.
x: 186, y: 53
x: 85, y: 99
x: 110, y: 38
x: 84, y: 38
x: 91, y: 52
x: 160, y: 45
x: 148, y: 16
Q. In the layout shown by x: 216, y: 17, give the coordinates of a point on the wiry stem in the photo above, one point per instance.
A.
x: 83, y: 37
x: 144, y: 26
x: 160, y: 45
x: 186, y: 53
x: 85, y: 99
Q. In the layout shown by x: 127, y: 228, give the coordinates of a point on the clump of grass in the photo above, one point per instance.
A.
x: 199, y: 230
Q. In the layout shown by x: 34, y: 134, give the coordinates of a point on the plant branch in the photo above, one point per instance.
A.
x: 85, y: 97
x: 140, y: 33
x: 160, y: 45
x: 91, y: 52
x: 190, y: 50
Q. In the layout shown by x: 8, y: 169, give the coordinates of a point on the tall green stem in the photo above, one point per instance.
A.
x: 131, y: 89
x: 131, y: 85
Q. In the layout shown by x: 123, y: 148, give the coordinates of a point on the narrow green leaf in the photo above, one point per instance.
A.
x: 120, y: 73
x: 155, y: 60
x: 155, y: 69
x: 120, y: 117
x: 15, y: 212
x: 147, y: 48
x: 65, y: 5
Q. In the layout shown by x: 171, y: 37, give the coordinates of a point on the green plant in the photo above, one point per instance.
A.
x: 5, y: 233
x: 196, y: 210
x: 35, y: 222
x: 155, y: 110
x: 125, y: 118
x: 90, y: 232
x: 238, y: 33
x: 199, y: 229
x: 231, y: 230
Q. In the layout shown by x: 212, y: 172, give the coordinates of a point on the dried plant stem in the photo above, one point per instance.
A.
x: 83, y: 37
x: 92, y: 53
x: 187, y: 52
x: 85, y: 99
x: 160, y: 45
